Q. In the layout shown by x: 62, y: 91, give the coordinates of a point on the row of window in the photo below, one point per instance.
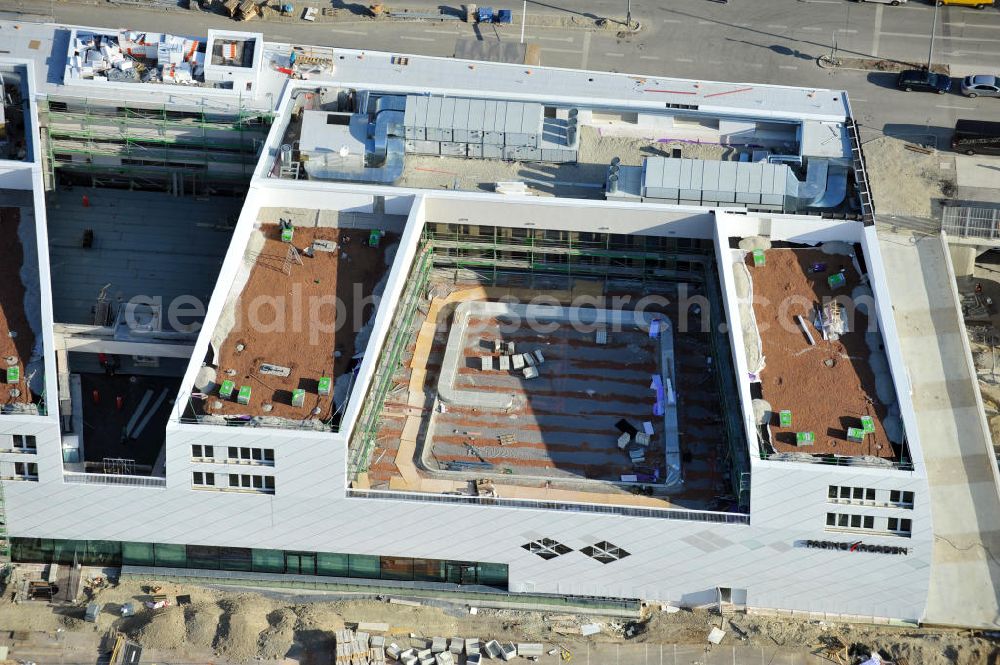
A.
x: 362, y: 566
x: 234, y: 454
x: 867, y: 496
x: 895, y: 525
x: 236, y: 481
x: 19, y: 443
x: 19, y: 471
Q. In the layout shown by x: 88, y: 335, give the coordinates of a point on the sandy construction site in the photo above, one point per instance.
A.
x: 246, y: 626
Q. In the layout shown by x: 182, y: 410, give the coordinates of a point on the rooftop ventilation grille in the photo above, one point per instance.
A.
x: 547, y: 548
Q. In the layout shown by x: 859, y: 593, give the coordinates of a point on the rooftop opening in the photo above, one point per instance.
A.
x: 15, y: 131
x: 526, y: 365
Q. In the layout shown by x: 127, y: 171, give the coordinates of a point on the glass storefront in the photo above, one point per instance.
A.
x: 328, y: 564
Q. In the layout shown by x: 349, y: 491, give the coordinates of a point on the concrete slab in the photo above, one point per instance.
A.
x: 964, y: 485
x: 977, y: 171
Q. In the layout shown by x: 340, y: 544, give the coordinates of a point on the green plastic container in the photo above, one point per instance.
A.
x: 868, y: 424
x: 287, y: 234
x: 836, y: 280
x: 855, y: 434
x: 244, y: 395
x: 324, y: 385
x: 758, y: 258
x: 786, y: 418
x: 13, y: 374
x: 298, y: 397
x: 227, y: 388
x: 805, y: 438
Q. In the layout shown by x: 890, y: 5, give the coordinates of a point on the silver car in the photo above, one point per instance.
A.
x: 981, y: 85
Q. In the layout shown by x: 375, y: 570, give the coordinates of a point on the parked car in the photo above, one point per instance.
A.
x: 976, y: 137
x: 981, y: 85
x: 894, y: 3
x: 921, y: 79
x: 978, y: 4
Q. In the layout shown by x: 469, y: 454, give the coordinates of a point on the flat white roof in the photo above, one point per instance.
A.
x: 383, y: 71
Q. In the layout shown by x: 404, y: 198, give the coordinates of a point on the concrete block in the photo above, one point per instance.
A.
x: 492, y: 649
x: 472, y: 646
x: 530, y: 650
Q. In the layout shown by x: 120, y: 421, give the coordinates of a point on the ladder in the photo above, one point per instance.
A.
x: 4, y: 537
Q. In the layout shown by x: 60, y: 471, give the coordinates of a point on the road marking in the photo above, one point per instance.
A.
x: 551, y: 49
x: 568, y: 40
x: 961, y: 108
x: 963, y: 54
x: 586, y: 50
x: 754, y: 64
x: 974, y: 26
x: 877, y: 32
x: 777, y: 27
x: 953, y: 39
x: 812, y: 29
x: 706, y: 22
x: 615, y: 55
x: 856, y: 99
x: 441, y: 32
x: 683, y: 59
x: 347, y: 32
x: 787, y: 67
x: 670, y: 20
x: 849, y: 32
x: 417, y: 39
x: 648, y: 57
x: 822, y: 2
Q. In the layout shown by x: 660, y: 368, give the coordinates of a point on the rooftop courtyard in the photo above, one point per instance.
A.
x: 295, y: 324
x: 823, y: 372
x: 20, y: 361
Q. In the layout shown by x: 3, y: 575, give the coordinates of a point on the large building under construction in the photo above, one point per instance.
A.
x: 333, y: 318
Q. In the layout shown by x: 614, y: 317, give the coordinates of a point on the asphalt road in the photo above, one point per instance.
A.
x: 753, y: 41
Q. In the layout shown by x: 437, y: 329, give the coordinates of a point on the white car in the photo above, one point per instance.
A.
x: 981, y: 85
x: 894, y: 3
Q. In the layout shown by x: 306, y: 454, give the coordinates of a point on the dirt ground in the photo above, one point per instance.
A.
x: 13, y: 320
x: 829, y: 386
x: 276, y: 322
x: 243, y: 627
x: 907, y: 182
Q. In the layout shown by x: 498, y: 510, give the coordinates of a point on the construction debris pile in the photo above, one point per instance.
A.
x: 362, y: 648
x: 137, y: 57
x: 508, y: 359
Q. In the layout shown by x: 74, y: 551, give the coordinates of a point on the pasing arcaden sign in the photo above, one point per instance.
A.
x: 856, y: 546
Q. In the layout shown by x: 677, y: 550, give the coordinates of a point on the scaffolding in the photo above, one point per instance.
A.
x: 161, y: 148
x: 390, y: 359
x: 644, y: 260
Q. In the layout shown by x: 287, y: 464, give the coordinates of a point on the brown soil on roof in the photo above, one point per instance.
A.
x: 307, y: 350
x: 824, y: 399
x: 12, y: 316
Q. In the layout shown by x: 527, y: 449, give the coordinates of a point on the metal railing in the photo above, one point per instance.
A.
x: 630, y: 511
x: 861, y: 174
x: 113, y: 479
x: 967, y: 222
